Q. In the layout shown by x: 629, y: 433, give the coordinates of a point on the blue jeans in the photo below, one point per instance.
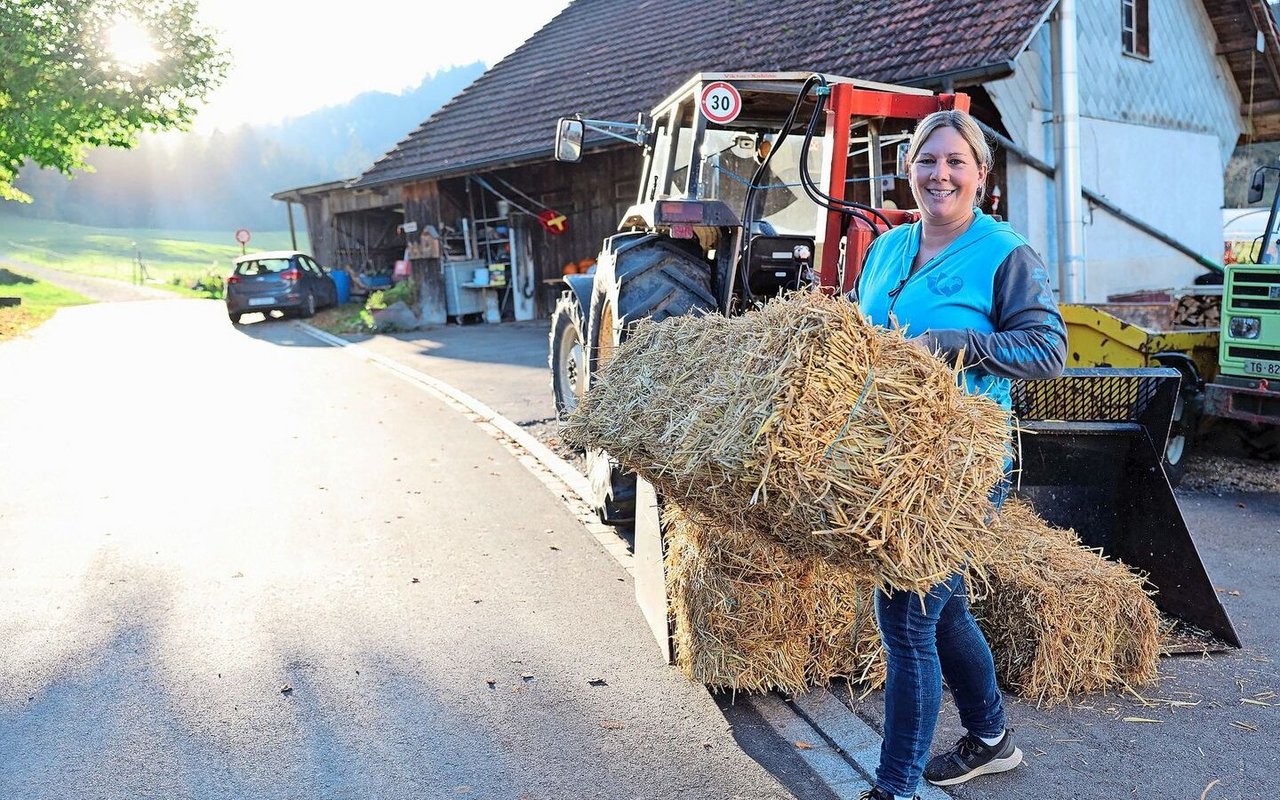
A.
x: 925, y: 640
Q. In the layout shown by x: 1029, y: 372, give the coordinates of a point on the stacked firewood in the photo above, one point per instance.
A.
x: 1198, y: 311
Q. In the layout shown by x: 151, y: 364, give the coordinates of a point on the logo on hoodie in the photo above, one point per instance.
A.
x: 945, y: 285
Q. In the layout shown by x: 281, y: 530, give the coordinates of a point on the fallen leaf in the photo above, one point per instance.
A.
x: 603, y: 682
x: 492, y: 683
x: 1234, y: 592
x: 528, y: 676
x: 803, y: 745
x: 706, y: 745
x: 415, y: 580
x: 612, y: 725
x: 553, y: 547
x: 1241, y: 505
x: 1143, y: 719
x: 286, y: 689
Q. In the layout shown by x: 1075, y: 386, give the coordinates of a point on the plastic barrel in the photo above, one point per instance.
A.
x: 342, y: 281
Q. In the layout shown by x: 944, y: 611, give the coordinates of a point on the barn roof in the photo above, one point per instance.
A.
x: 608, y: 59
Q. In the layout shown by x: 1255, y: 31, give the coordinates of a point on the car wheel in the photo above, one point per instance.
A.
x: 234, y: 317
x: 309, y: 305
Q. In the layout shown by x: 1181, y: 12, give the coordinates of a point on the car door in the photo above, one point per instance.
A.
x: 324, y: 287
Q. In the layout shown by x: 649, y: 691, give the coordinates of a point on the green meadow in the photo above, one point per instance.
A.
x: 172, y: 259
x: 39, y: 301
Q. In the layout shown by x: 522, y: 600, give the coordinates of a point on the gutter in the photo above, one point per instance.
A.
x: 1102, y: 202
x: 516, y: 160
x: 969, y: 75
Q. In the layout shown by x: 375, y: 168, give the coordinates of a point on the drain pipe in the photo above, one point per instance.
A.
x: 1066, y: 123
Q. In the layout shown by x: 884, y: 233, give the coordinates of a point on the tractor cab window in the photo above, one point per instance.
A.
x: 729, y: 162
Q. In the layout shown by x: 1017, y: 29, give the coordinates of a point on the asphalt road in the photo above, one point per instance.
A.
x: 238, y: 564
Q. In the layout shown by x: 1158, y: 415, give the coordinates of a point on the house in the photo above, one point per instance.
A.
x: 1164, y: 92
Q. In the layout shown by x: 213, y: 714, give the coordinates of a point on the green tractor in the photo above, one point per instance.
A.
x: 1247, y: 386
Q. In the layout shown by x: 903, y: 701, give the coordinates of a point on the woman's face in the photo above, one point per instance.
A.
x: 945, y: 177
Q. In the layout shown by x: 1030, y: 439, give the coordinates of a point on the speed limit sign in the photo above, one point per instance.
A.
x: 242, y: 236
x: 721, y: 102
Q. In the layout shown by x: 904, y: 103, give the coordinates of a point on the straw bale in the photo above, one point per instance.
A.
x: 801, y: 419
x: 1062, y: 619
x: 740, y: 603
x: 846, y: 640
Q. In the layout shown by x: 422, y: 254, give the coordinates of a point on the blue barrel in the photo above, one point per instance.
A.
x: 342, y: 281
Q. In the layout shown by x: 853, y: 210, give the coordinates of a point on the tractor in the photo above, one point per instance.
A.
x: 758, y: 183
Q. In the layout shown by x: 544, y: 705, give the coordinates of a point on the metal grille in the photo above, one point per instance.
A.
x: 1085, y: 398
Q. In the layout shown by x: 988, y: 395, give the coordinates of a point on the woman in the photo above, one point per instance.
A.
x: 969, y: 287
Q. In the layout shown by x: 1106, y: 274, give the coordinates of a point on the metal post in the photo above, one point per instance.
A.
x: 1066, y: 120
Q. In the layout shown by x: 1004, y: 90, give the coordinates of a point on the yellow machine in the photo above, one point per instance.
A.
x: 1136, y: 335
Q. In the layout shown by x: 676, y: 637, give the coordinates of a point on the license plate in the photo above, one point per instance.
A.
x: 261, y: 301
x: 1266, y: 368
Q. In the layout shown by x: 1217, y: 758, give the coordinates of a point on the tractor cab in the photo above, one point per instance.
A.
x: 746, y: 164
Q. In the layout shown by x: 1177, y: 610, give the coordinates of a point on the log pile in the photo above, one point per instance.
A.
x: 1198, y: 311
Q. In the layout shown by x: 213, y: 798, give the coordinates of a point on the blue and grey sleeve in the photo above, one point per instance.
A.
x: 1030, y: 338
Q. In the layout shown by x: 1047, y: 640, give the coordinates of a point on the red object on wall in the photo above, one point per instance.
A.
x: 402, y: 270
x: 553, y: 222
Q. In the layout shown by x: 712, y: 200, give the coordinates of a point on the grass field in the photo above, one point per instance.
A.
x: 170, y: 257
x: 39, y: 301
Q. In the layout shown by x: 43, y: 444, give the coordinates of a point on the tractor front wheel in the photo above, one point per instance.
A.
x: 567, y: 356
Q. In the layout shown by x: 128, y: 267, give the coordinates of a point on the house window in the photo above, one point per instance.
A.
x: 1134, y: 30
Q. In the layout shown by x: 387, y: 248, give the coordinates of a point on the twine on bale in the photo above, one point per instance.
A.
x: 801, y: 419
x: 1062, y: 619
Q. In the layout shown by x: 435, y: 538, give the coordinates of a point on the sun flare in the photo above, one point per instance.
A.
x: 130, y: 45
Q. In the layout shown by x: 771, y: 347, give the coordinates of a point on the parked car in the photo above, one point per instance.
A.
x: 278, y: 280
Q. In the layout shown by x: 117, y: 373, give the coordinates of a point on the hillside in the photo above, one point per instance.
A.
x: 224, y: 181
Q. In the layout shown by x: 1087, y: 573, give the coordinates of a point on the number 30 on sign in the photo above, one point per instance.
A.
x: 721, y: 102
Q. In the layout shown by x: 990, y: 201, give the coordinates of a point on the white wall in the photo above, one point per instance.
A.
x: 1172, y: 180
x: 1155, y: 137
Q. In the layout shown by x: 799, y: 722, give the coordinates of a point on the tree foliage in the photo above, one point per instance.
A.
x: 63, y: 90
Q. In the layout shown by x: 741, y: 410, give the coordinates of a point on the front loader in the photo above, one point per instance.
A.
x: 757, y: 183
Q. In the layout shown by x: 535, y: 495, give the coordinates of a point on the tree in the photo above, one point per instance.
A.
x: 79, y: 74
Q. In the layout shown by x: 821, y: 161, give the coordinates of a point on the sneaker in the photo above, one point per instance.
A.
x: 876, y: 793
x: 970, y: 758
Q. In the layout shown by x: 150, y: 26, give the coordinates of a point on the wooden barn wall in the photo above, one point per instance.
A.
x: 592, y: 194
x: 321, y: 215
x: 422, y: 206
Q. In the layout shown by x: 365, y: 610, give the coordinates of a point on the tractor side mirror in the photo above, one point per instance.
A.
x: 569, y: 140
x: 1256, y: 185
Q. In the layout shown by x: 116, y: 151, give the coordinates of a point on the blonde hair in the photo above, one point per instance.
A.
x: 967, y: 127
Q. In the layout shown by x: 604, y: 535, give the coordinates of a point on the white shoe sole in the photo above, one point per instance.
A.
x: 990, y: 768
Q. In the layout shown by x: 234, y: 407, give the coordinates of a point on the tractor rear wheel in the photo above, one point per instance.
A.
x: 657, y: 280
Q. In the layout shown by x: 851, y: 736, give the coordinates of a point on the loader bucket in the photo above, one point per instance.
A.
x: 1090, y: 445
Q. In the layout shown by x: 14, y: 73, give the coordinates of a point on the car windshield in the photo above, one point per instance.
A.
x: 263, y: 266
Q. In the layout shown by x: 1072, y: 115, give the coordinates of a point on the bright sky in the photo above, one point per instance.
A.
x: 290, y: 57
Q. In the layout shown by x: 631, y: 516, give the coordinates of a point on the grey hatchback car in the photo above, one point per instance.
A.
x: 278, y: 280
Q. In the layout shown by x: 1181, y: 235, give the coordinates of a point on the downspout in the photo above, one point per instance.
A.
x: 1066, y: 123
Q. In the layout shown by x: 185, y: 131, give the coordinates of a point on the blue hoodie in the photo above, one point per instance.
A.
x: 987, y: 296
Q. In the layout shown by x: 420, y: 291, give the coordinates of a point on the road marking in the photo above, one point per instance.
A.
x: 843, y: 749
